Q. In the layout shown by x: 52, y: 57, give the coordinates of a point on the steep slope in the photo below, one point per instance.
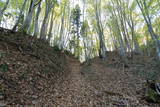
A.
x: 29, y: 68
x: 118, y: 85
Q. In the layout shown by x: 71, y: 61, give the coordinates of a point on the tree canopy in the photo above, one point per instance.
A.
x: 88, y: 28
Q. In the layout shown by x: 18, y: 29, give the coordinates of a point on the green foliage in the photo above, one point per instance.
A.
x: 16, y: 4
x: 2, y: 54
x: 84, y: 28
x: 21, y: 21
x: 152, y: 96
x: 1, y: 4
x: 56, y: 48
x: 149, y: 75
x: 4, y: 67
x: 8, y: 15
x: 75, y: 15
x: 133, y: 5
x: 2, y: 92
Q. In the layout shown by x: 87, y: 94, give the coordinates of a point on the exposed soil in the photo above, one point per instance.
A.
x: 35, y: 74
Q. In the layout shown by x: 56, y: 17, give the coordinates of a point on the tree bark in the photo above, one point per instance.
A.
x: 145, y: 12
x: 28, y: 19
x: 20, y: 15
x: 50, y: 28
x: 102, y: 48
x: 62, y: 29
x: 49, y: 6
x: 36, y: 26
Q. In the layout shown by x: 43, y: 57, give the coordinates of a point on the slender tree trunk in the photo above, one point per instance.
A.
x: 62, y: 29
x: 44, y: 26
x: 134, y: 38
x: 51, y: 27
x: 102, y: 48
x: 145, y: 12
x: 78, y: 42
x: 155, y: 38
x: 20, y: 15
x: 68, y: 26
x: 114, y: 42
x: 36, y: 26
x: 48, y: 9
x: 122, y: 51
x: 85, y: 49
x: 135, y: 42
x: 28, y: 20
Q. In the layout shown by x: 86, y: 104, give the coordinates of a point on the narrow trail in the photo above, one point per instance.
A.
x: 74, y: 91
x: 90, y: 90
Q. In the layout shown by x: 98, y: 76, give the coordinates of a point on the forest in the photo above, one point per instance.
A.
x: 80, y: 53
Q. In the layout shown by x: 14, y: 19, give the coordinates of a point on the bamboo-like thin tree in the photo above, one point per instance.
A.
x: 49, y: 5
x: 20, y: 15
x: 36, y: 24
x: 100, y: 30
x: 75, y: 20
x: 142, y: 4
x: 27, y: 23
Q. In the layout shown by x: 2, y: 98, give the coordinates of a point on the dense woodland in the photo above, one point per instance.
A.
x: 88, y: 28
x: 80, y: 53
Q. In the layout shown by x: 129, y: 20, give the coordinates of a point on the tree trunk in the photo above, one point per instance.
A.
x: 20, y: 15
x: 155, y: 38
x: 50, y: 28
x: 78, y: 42
x: 36, y: 26
x: 44, y: 27
x: 28, y: 20
x: 48, y: 9
x: 61, y: 30
x: 147, y: 18
x: 85, y: 49
x: 102, y: 48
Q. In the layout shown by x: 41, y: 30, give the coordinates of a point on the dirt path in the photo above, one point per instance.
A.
x: 89, y: 90
x: 74, y: 91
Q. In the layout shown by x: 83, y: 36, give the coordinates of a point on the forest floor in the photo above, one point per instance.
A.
x: 35, y: 74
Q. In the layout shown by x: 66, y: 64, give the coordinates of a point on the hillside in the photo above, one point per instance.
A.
x: 32, y: 73
x: 29, y: 68
x: 120, y: 86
